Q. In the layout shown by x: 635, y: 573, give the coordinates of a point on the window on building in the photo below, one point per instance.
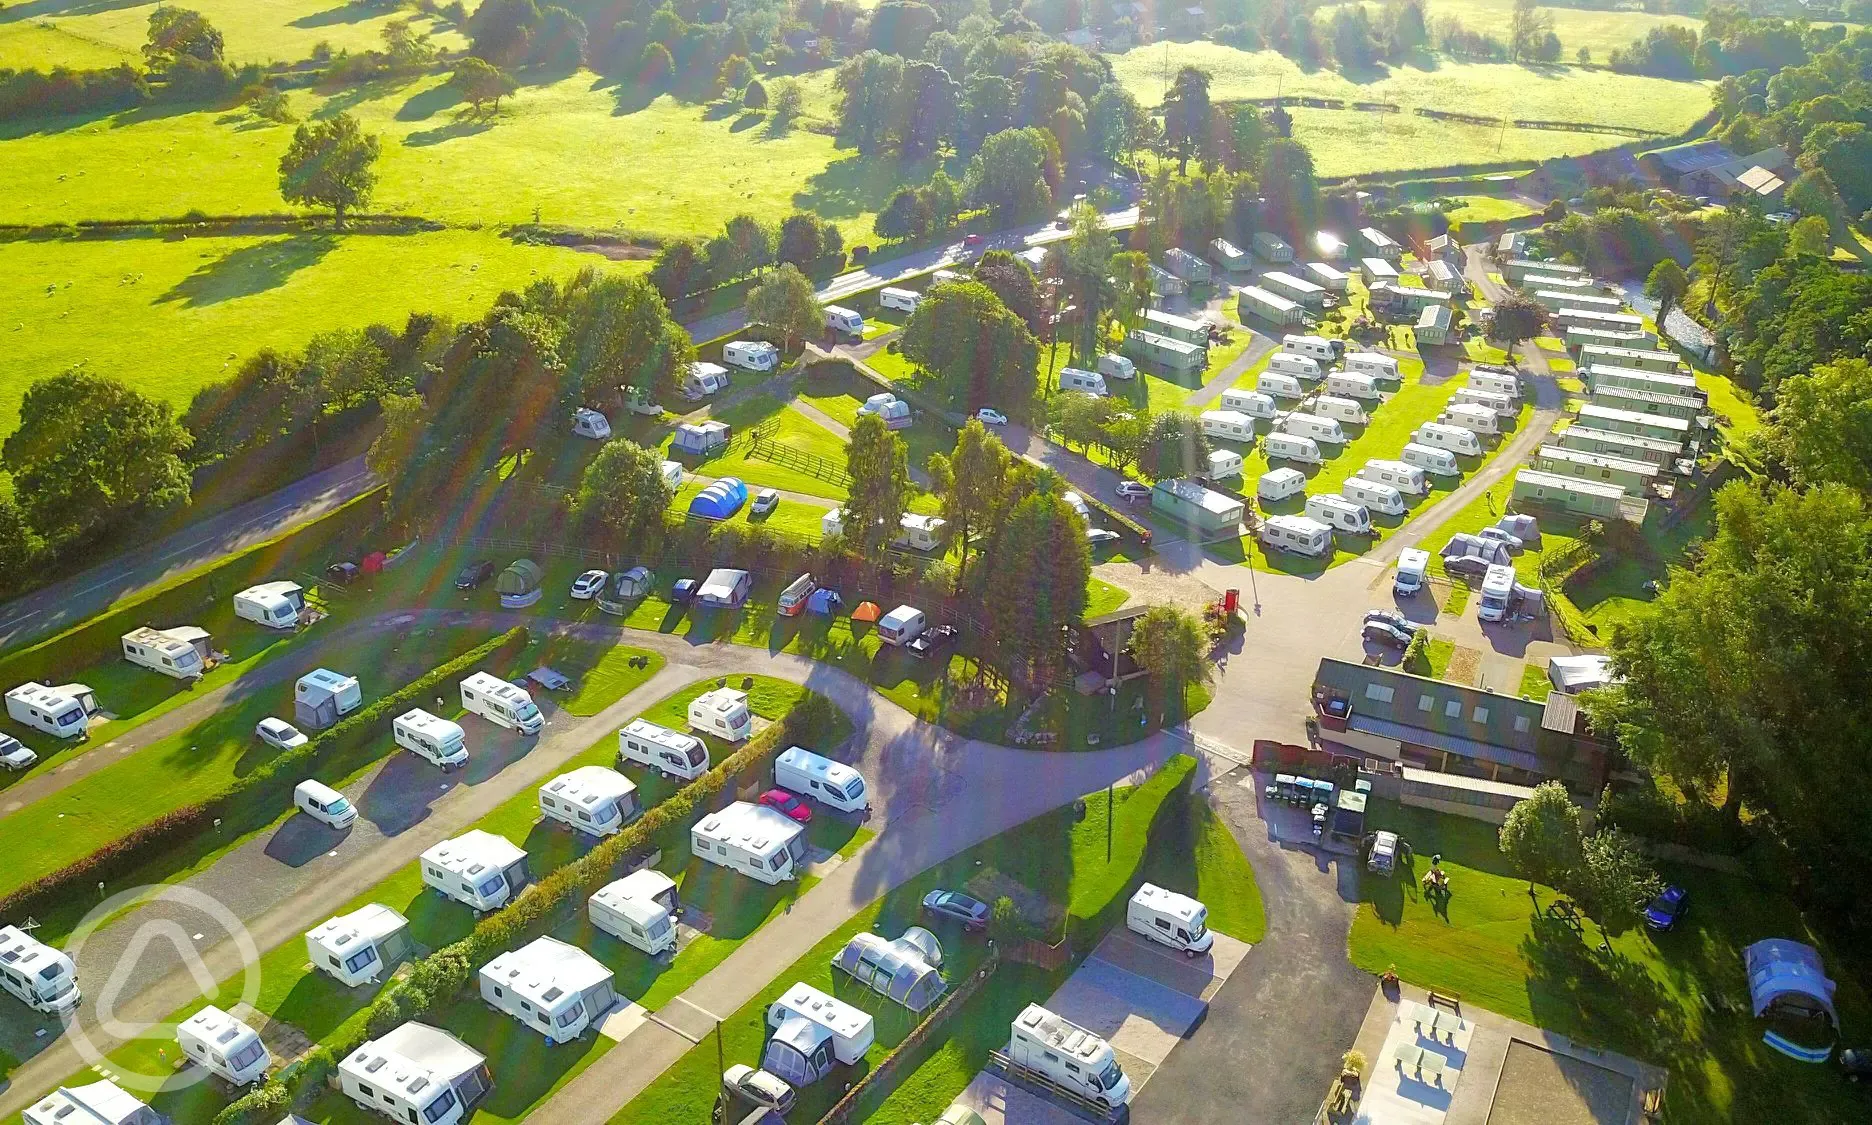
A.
x: 1453, y: 708
x: 1424, y: 703
x: 1480, y: 714
x: 1520, y: 724
x: 1381, y: 692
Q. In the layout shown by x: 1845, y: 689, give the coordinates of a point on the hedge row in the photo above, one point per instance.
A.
x: 256, y: 799
x: 202, y: 224
x: 437, y: 978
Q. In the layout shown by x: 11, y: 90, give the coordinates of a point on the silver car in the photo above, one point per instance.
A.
x: 14, y: 754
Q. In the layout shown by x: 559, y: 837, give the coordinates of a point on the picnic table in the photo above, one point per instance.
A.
x: 1432, y: 1021
x: 1425, y: 1064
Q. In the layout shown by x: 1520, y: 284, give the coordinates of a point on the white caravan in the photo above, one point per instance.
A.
x: 669, y: 752
x: 1397, y: 474
x: 97, y: 1103
x: 1455, y: 439
x: 1496, y: 380
x: 902, y: 625
x: 1169, y: 918
x: 723, y: 713
x: 810, y: 1031
x: 416, y: 1072
x: 902, y: 300
x: 1353, y: 384
x: 1478, y: 420
x: 223, y: 1046
x: 1303, y: 535
x: 501, y: 703
x: 834, y: 784
x: 1278, y: 385
x: 1375, y: 364
x: 1230, y: 424
x: 1413, y: 570
x: 360, y: 947
x: 321, y: 696
x: 1068, y: 1055
x: 594, y: 800
x: 1501, y: 404
x: 919, y: 532
x: 840, y: 319
x: 1339, y: 409
x: 1279, y: 484
x: 1323, y: 430
x: 1114, y: 366
x: 588, y: 423
x: 762, y: 843
x: 1252, y: 403
x: 39, y: 976
x: 751, y: 355
x: 1377, y: 497
x: 1079, y: 379
x: 638, y: 910
x: 181, y: 653
x: 558, y: 990
x: 64, y: 711
x: 1313, y: 347
x: 432, y: 738
x: 324, y: 804
x: 1299, y: 366
x: 1497, y: 598
x: 477, y: 869
x: 1339, y: 513
x: 704, y: 379
x: 277, y: 605
x: 1223, y: 465
x: 1287, y: 447
x: 1438, y: 462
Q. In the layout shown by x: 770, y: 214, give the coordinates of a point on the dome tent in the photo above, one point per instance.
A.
x: 1788, y: 977
x: 719, y: 501
x: 898, y: 969
x: 519, y: 584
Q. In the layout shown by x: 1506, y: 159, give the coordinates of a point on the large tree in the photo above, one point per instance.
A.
x: 1086, y: 269
x: 972, y: 481
x: 1614, y: 881
x: 625, y: 491
x: 1014, y: 174
x: 619, y: 342
x: 1013, y: 281
x: 785, y: 302
x: 1823, y: 424
x: 1667, y: 285
x: 963, y: 334
x: 1173, y: 646
x: 1541, y: 836
x: 481, y: 83
x: 330, y: 164
x: 1518, y: 317
x: 1042, y: 564
x: 405, y: 418
x: 1174, y: 446
x: 879, y: 464
x: 180, y: 33
x: 1115, y: 123
x: 1187, y: 115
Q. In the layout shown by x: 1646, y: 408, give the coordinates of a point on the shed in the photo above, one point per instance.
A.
x: 519, y: 585
x: 1786, y: 976
x: 719, y: 501
x: 1574, y: 674
x: 1191, y: 504
x: 898, y: 969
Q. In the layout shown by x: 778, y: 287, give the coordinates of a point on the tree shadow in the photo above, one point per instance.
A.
x: 856, y: 184
x: 425, y: 104
x: 14, y: 13
x: 746, y: 121
x: 1599, y: 996
x: 250, y: 270
x: 355, y: 12
x: 464, y: 125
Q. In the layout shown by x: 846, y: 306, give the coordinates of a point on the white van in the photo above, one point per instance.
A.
x: 1339, y: 513
x: 1495, y: 380
x: 1068, y: 1055
x: 1114, y: 366
x: 1436, y: 435
x: 1440, y: 462
x: 903, y: 300
x: 1501, y: 404
x: 1228, y: 424
x: 901, y: 625
x: 1287, y: 447
x: 1313, y: 426
x: 669, y: 752
x: 501, y: 703
x: 1279, y: 385
x: 432, y: 738
x: 1397, y: 474
x: 751, y: 355
x: 1169, y: 918
x: 1279, y: 484
x: 1497, y: 592
x: 1341, y: 409
x: 834, y: 784
x: 1381, y: 498
x: 840, y: 319
x: 324, y: 804
x: 1352, y: 384
x: 223, y: 1046
x: 1252, y: 403
x: 1302, y: 535
x: 1313, y: 347
x: 1413, y: 569
x: 1376, y: 364
x: 1079, y: 379
x: 1299, y: 366
x: 1468, y: 416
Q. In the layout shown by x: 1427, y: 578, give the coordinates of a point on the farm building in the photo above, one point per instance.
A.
x: 1631, y: 422
x: 1673, y: 164
x: 1176, y: 327
x: 1375, y: 270
x: 1593, y: 318
x: 1632, y: 476
x: 1441, y: 276
x: 1560, y: 300
x: 1640, y: 359
x: 1329, y: 246
x: 1165, y: 353
x: 1166, y: 284
x: 1433, y: 324
x: 1630, y: 378
x: 1332, y: 278
x: 1187, y: 266
x: 1582, y: 335
x: 1272, y: 247
x: 1229, y: 256
x: 1631, y: 447
x: 1254, y: 301
x: 1513, y: 272
x: 1406, y: 298
x: 1581, y: 497
x: 1380, y: 244
x: 1295, y: 289
x: 1649, y: 402
x: 1189, y: 503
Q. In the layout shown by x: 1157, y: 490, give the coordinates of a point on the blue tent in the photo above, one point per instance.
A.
x: 824, y: 601
x: 719, y: 501
x: 1787, y: 976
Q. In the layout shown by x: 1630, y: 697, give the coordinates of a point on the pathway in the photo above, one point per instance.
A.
x: 1258, y: 347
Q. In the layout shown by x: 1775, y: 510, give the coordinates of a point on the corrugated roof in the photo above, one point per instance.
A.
x: 1561, y: 713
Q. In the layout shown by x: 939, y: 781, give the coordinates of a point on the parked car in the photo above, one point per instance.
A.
x: 1502, y: 535
x: 766, y: 500
x: 1386, y: 633
x: 1133, y: 490
x: 684, y: 591
x: 757, y: 1087
x: 989, y: 416
x: 14, y: 754
x: 279, y: 733
x: 957, y: 907
x: 474, y: 574
x: 1468, y: 565
x: 1667, y: 908
x: 586, y: 586
x: 975, y: 241
x: 342, y: 573
x: 792, y: 804
x: 1099, y: 536
x: 1391, y: 617
x: 929, y: 640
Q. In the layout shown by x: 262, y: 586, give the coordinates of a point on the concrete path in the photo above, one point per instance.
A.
x: 1224, y: 379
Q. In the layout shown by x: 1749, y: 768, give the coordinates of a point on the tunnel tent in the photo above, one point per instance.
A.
x: 823, y: 601
x: 519, y: 585
x: 897, y: 969
x: 720, y: 500
x: 1788, y: 977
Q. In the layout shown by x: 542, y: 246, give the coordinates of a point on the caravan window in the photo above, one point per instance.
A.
x: 778, y: 862
x: 853, y: 788
x: 362, y: 958
x: 572, y: 1013
x: 69, y: 717
x: 487, y: 889
x: 697, y: 754
x: 246, y: 1056
x: 440, y: 1106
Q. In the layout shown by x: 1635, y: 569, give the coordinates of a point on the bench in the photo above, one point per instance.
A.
x: 1450, y: 1000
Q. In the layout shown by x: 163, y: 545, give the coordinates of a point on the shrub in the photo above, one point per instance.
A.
x: 1005, y: 923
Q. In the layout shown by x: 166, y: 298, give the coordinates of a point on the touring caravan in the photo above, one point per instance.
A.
x: 223, y: 1046
x: 360, y: 947
x: 1479, y: 420
x: 1322, y: 430
x: 762, y: 843
x: 725, y: 588
x: 1169, y: 918
x: 558, y: 990
x: 501, y: 703
x: 1339, y: 409
x: 1068, y: 1055
x: 811, y: 1031
x: 1438, y: 462
x: 1495, y: 380
x: 639, y: 910
x: 1353, y: 384
x: 1223, y: 464
x: 1287, y: 447
x: 1299, y: 366
x: 39, y: 976
x: 588, y: 423
x: 95, y: 1103
x: 833, y: 784
x: 1079, y: 379
x: 1376, y: 364
x: 1497, y: 592
x: 899, y: 299
x: 1228, y: 424
x: 277, y: 605
x: 1339, y: 513
x: 1413, y: 569
x: 594, y: 800
x: 1252, y: 403
x: 901, y: 625
x: 1397, y: 474
x: 751, y: 355
x: 477, y: 869
x: 1436, y: 435
x: 322, y: 695
x: 669, y: 752
x: 1503, y: 405
x: 1303, y: 535
x: 1114, y: 366
x: 895, y: 412
x: 1318, y: 348
x: 1380, y: 498
x: 700, y: 439
x: 1278, y: 385
x: 324, y: 804
x: 180, y: 653
x: 704, y: 379
x: 1278, y: 484
x: 841, y: 320
x: 416, y: 1072
x: 723, y: 713
x: 430, y: 737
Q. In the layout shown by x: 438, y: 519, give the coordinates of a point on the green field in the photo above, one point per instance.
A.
x: 256, y: 30
x: 42, y: 46
x: 1487, y: 209
x: 1595, y: 29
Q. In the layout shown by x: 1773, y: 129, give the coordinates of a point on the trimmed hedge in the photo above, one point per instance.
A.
x: 256, y: 799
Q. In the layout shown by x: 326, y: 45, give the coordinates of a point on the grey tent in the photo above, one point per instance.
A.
x: 898, y: 969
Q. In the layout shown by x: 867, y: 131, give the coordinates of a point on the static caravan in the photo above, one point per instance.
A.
x: 1114, y: 366
x: 1327, y: 277
x: 1377, y: 271
x: 1252, y: 403
x: 639, y: 910
x: 1581, y: 336
x: 97, y: 1103
x: 1443, y: 278
x: 1635, y: 477
x: 477, y: 869
x: 900, y: 300
x: 1514, y: 271
x: 1339, y: 513
x: 1495, y: 382
x: 1403, y: 477
x: 1278, y: 484
x: 1571, y: 494
x: 588, y: 423
x: 181, y: 652
x: 1413, y: 570
x: 1437, y: 462
x: 322, y: 695
x: 670, y: 752
x: 1538, y: 282
x: 1295, y: 289
x: 812, y: 1032
x: 833, y: 784
x: 39, y: 976
x: 1317, y: 348
x: 558, y: 990
x: 1230, y: 256
x: 1353, y: 384
x: 1330, y: 246
x: 725, y: 588
x: 723, y: 713
x: 1288, y: 447
x: 1560, y: 300
x: 1322, y: 430
x: 1169, y: 918
x: 1601, y: 417
x: 64, y: 711
x: 1228, y: 424
x: 751, y: 355
x: 843, y: 321
x: 1253, y: 301
x: 1600, y: 375
x: 1433, y: 325
x: 1436, y: 435
x: 1303, y: 535
x: 1641, y: 359
x: 704, y: 379
x: 1299, y: 366
x: 1379, y: 243
x: 223, y: 1046
x: 1653, y: 450
x: 1511, y: 245
x: 1068, y: 1055
x: 1277, y: 385
x: 1164, y: 353
x: 1176, y: 327
x: 360, y: 947
x: 1224, y: 464
x: 699, y: 438
x: 1380, y: 498
x: 594, y: 800
x: 1187, y: 266
x: 430, y: 737
x: 1593, y: 318
x: 1272, y: 247
x: 901, y: 625
x: 1079, y: 379
x: 1376, y: 364
x: 1479, y: 420
x: 501, y: 703
x: 1497, y: 598
x: 919, y: 532
x: 1501, y: 404
x: 1406, y: 298
x: 1660, y: 403
x: 277, y: 605
x: 1340, y: 409
x: 1166, y: 284
x: 762, y: 843
x: 416, y: 1072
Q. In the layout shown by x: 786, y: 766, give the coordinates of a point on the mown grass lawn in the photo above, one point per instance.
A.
x: 256, y: 30
x: 42, y: 45
x: 1599, y: 30
x: 1486, y: 209
x: 791, y: 430
x: 794, y: 518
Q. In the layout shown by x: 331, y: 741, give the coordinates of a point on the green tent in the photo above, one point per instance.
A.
x: 519, y: 584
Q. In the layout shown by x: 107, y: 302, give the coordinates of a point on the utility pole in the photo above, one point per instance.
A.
x: 1109, y: 812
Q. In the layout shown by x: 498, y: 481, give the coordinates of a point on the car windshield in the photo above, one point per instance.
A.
x: 1110, y: 1077
x: 525, y: 712
x: 339, y: 807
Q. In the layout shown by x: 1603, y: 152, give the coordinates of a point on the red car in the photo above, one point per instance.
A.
x: 788, y: 803
x: 974, y: 240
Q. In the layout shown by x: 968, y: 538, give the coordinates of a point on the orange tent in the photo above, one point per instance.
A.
x: 867, y: 611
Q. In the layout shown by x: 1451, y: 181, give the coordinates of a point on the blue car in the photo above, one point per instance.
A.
x: 1667, y: 908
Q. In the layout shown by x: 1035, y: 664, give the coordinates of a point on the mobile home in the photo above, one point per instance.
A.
x: 1438, y: 462
x: 1478, y: 420
x: 1295, y: 289
x: 39, y: 976
x: 1079, y: 379
x: 1303, y: 535
x: 1571, y: 494
x: 477, y: 869
x: 1230, y: 256
x: 181, y: 652
x: 723, y: 713
x: 762, y: 843
x: 1228, y: 424
x: 277, y: 605
x: 1659, y: 403
x: 811, y: 1032
x: 1288, y: 447
x: 1252, y: 301
x: 1580, y: 336
x: 1376, y: 364
x: 833, y: 784
x: 556, y: 989
x: 1332, y: 279
x: 1187, y: 266
x: 1561, y: 300
x: 751, y: 355
x: 594, y: 800
x: 1380, y: 498
x: 1317, y: 348
x: 1443, y: 278
x: 1164, y: 353
x: 1593, y: 318
x: 1277, y: 385
x: 1397, y: 474
x: 1339, y: 513
x: 1433, y: 325
x: 1656, y: 451
x: 1272, y: 247
x: 1252, y: 403
x: 1377, y: 271
x: 322, y: 695
x: 1632, y: 422
x: 501, y: 703
x: 1339, y: 409
x: 96, y: 1103
x: 430, y: 737
x: 704, y: 379
x: 1206, y: 511
x: 1068, y: 1055
x: 1641, y: 359
x: 223, y: 1046
x: 1409, y: 299
x: 1514, y: 271
x: 901, y: 625
x: 1436, y: 435
x: 1169, y: 918
x: 1379, y: 243
x: 1176, y: 327
x: 1166, y: 284
x: 1599, y: 375
x: 1224, y: 464
x: 1353, y: 384
x: 416, y: 1071
x: 1635, y: 477
x: 1502, y: 405
x: 639, y: 910
x: 1276, y: 485
x: 360, y: 947
x: 669, y: 752
x: 1330, y: 246
x: 898, y: 299
x: 1537, y: 282
x: 1322, y: 430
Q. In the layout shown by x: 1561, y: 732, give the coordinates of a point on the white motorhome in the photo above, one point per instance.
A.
x: 556, y: 989
x: 669, y: 752
x: 1503, y: 405
x: 1397, y: 474
x: 704, y: 379
x: 1323, y: 430
x: 1279, y: 484
x: 811, y: 1031
x: 1375, y: 364
x: 723, y: 713
x: 902, y: 300
x: 1292, y: 363
x: 1314, y: 347
x: 1339, y: 513
x: 501, y: 703
x: 1495, y: 380
x: 762, y: 843
x: 64, y: 711
x: 1252, y: 403
x: 1288, y: 447
x: 324, y: 804
x: 277, y: 605
x: 1438, y: 462
x: 588, y: 423
x: 1302, y: 535
x: 1230, y: 424
x: 639, y: 910
x: 1278, y: 385
x: 360, y: 947
x: 901, y: 625
x: 223, y: 1046
x: 1376, y: 497
x: 181, y: 652
x: 1114, y: 366
x: 1413, y: 570
x: 1069, y: 1055
x: 751, y: 355
x: 839, y: 319
x: 432, y: 738
x: 416, y: 1072
x: 478, y: 869
x: 322, y: 696
x: 1455, y: 439
x: 1339, y: 409
x: 1353, y: 384
x: 97, y: 1103
x: 1169, y: 918
x: 1223, y: 464
x: 1079, y: 379
x: 39, y: 976
x: 1497, y: 598
x: 834, y: 784
x: 594, y: 800
x: 1478, y: 420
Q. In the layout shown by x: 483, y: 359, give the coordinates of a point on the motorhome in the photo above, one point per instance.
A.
x: 1496, y: 381
x: 1380, y: 498
x: 1287, y: 447
x: 1229, y: 424
x: 1223, y: 464
x: 416, y: 1073
x: 1405, y: 478
x: 1252, y: 403
x: 1322, y: 430
x: 1339, y: 409
x: 432, y: 738
x: 39, y: 976
x: 324, y: 804
x: 1503, y: 405
x: 64, y: 711
x: 1436, y: 435
x: 898, y: 299
x: 1079, y: 379
x: 223, y: 1046
x: 833, y: 784
x: 811, y: 1032
x: 1437, y: 462
x: 1276, y: 485
x: 1497, y: 593
x: 1169, y: 918
x: 501, y: 703
x: 1479, y: 420
x: 901, y: 625
x: 1313, y: 347
x: 1376, y: 364
x: 556, y: 989
x: 95, y: 1103
x: 361, y: 947
x: 477, y: 869
x: 1299, y: 366
x: 1413, y: 570
x: 1303, y: 535
x: 277, y: 605
x: 669, y: 752
x: 321, y: 696
x: 723, y: 713
x: 639, y: 910
x: 1114, y: 366
x: 842, y: 320
x: 595, y: 800
x: 751, y: 355
x: 181, y: 652
x: 792, y: 600
x: 588, y: 423
x: 1277, y: 385
x: 1068, y: 1055
x: 762, y: 843
x: 704, y: 379
x: 1353, y: 384
x: 1339, y: 513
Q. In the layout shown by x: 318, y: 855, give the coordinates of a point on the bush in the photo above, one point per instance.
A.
x: 1005, y: 924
